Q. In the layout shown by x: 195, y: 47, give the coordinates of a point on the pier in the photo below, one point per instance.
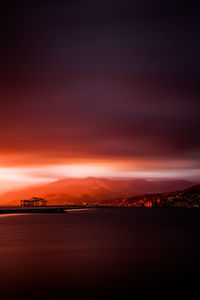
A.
x: 33, y: 205
x: 28, y: 210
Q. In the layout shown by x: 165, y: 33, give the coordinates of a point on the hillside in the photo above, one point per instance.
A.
x: 189, y: 197
x: 91, y: 190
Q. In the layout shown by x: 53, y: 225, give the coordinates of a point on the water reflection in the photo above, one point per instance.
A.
x: 98, y: 250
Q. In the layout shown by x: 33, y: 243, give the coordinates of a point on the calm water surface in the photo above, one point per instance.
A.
x: 99, y: 252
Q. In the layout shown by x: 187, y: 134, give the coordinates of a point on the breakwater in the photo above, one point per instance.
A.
x: 19, y: 210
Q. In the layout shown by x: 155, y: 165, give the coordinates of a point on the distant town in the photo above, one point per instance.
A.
x: 189, y: 198
x: 93, y: 192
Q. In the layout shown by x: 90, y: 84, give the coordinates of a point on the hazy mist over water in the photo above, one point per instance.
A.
x: 98, y: 252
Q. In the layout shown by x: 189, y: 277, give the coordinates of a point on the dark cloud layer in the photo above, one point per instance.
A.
x: 105, y: 79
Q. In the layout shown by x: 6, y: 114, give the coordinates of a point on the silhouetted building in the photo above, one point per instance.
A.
x: 34, y: 202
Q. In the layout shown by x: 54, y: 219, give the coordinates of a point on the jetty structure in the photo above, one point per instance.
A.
x: 33, y: 205
x: 34, y: 202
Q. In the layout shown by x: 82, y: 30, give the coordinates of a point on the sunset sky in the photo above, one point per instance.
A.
x: 99, y: 88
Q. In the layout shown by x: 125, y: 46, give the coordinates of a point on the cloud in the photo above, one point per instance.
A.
x: 100, y: 82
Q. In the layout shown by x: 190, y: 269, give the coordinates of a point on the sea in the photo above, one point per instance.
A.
x: 100, y: 253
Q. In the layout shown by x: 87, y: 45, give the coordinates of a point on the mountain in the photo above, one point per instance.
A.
x: 91, y: 190
x: 193, y: 189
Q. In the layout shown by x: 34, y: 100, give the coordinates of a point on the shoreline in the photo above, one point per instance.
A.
x: 21, y: 210
x: 66, y: 209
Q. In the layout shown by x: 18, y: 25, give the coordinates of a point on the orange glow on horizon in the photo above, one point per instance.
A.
x: 16, y: 177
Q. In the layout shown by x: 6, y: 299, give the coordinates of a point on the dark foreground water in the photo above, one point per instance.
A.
x: 100, y: 253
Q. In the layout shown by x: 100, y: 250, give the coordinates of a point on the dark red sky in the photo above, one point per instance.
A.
x: 101, y: 82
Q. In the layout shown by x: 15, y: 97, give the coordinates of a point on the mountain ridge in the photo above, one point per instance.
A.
x: 78, y: 190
